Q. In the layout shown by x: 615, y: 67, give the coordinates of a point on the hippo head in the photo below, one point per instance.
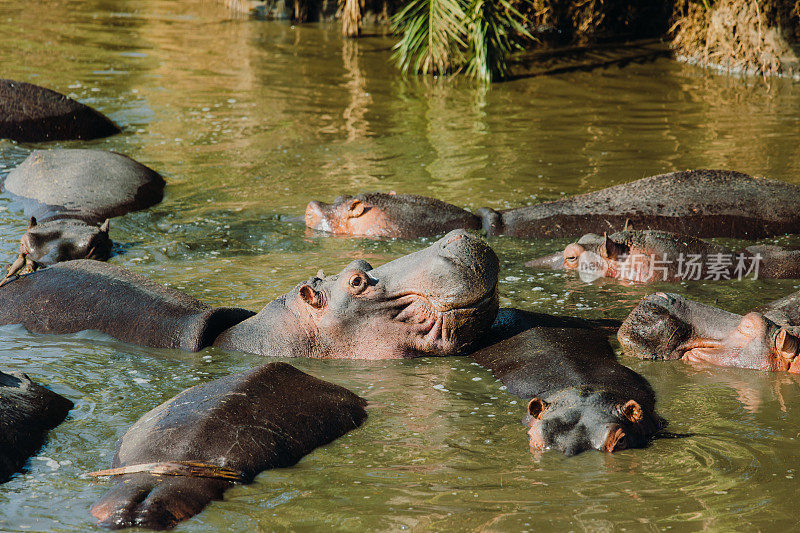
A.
x: 436, y: 301
x: 388, y: 215
x: 576, y: 420
x: 668, y: 326
x: 594, y: 255
x: 57, y: 240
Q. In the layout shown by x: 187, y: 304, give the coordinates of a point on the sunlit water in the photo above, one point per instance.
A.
x: 250, y: 120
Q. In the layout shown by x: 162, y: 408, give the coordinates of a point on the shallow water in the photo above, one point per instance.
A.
x: 250, y: 120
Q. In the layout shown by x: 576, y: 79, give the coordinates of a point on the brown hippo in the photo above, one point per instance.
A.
x: 29, y: 113
x: 187, y: 451
x: 59, y: 239
x: 91, y: 185
x: 700, y: 203
x: 654, y: 255
x: 581, y: 398
x: 437, y: 301
x: 388, y: 215
x: 27, y: 412
x: 668, y: 326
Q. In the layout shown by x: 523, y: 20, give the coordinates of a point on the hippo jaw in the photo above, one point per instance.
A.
x: 667, y: 326
x: 437, y: 301
x: 575, y: 420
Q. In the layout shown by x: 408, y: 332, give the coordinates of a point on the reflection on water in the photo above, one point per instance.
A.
x: 250, y: 120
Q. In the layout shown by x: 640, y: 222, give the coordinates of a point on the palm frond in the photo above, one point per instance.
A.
x: 495, y: 27
x: 433, y: 36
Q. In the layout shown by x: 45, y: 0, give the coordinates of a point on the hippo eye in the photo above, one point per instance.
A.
x: 357, y: 282
x: 572, y: 259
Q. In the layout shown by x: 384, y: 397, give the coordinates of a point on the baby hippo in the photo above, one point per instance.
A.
x: 652, y: 255
x: 668, y: 326
x: 581, y: 397
x: 59, y: 239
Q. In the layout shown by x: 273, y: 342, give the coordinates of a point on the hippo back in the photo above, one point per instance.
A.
x: 27, y: 412
x: 85, y: 294
x: 29, y: 113
x: 701, y: 203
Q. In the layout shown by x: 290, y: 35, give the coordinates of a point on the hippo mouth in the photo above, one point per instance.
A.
x: 699, y: 350
x: 443, y: 329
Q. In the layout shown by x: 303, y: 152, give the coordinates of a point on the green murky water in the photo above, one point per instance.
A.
x: 248, y: 121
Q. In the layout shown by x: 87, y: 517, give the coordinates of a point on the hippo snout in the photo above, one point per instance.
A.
x: 315, y: 215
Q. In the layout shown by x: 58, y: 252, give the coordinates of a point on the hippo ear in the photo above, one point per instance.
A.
x: 356, y: 208
x: 104, y: 227
x: 787, y: 345
x: 312, y: 297
x: 537, y: 407
x: 32, y: 222
x: 610, y: 249
x: 632, y: 411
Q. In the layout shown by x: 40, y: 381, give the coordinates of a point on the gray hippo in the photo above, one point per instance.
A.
x: 187, y: 451
x: 437, y: 301
x: 580, y: 397
x: 653, y: 255
x: 700, y: 203
x: 668, y: 326
x: 69, y: 196
x: 29, y: 113
x: 27, y: 412
x: 91, y: 185
x: 57, y: 240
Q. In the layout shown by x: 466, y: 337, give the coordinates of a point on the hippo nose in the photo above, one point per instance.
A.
x: 459, y: 238
x: 314, y: 214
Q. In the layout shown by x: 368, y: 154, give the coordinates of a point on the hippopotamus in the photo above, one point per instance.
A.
x: 90, y: 185
x: 30, y: 113
x: 581, y: 398
x: 59, y: 239
x: 187, y: 451
x: 388, y: 215
x: 699, y: 203
x: 654, y: 255
x: 437, y: 301
x: 668, y: 326
x: 27, y: 412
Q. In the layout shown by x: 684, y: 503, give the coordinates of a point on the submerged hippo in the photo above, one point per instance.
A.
x: 59, y: 239
x: 581, y: 398
x: 187, y: 451
x: 388, y: 215
x: 701, y: 203
x: 90, y: 185
x: 668, y: 326
x: 437, y: 301
x: 29, y: 113
x: 27, y: 412
x: 653, y: 255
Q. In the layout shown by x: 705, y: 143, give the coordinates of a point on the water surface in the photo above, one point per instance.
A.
x: 250, y: 120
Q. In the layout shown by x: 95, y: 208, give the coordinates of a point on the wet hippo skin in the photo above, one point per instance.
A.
x: 700, y: 203
x: 581, y: 398
x: 29, y: 113
x: 59, y: 239
x: 84, y: 294
x: 437, y: 301
x: 91, y: 185
x: 27, y: 412
x: 668, y: 326
x: 269, y: 417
